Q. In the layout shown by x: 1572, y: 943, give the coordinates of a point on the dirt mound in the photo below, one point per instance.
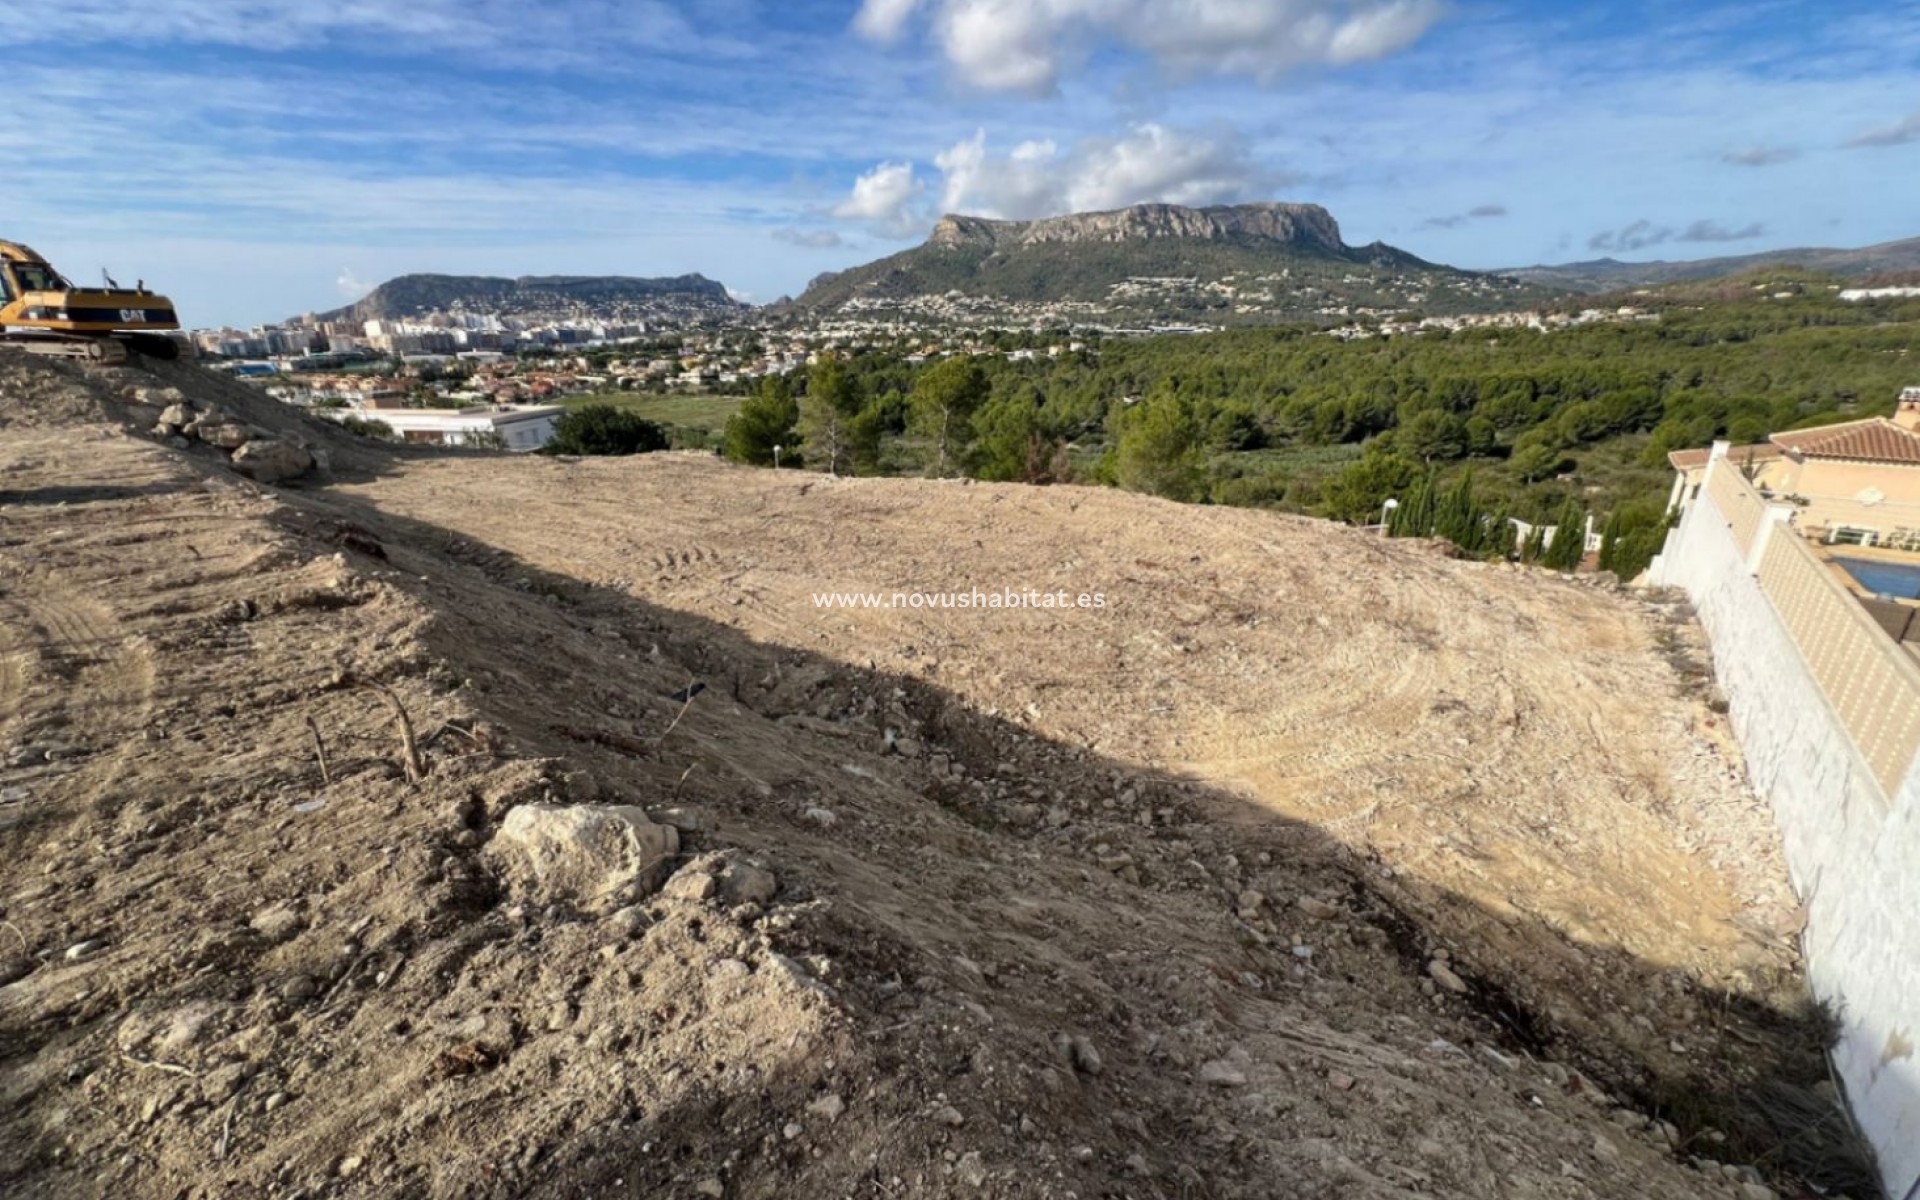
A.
x: 1029, y: 904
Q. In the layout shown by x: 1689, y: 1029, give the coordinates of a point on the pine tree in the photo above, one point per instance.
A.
x: 766, y: 420
x: 827, y: 412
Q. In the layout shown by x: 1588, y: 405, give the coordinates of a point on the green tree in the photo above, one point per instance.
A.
x: 943, y: 402
x: 1413, y: 516
x: 1458, y: 517
x: 1536, y: 545
x: 604, y: 429
x: 1356, y: 494
x: 1433, y: 434
x: 1158, y: 451
x: 1569, y: 544
x: 766, y: 420
x: 826, y: 415
x: 1537, y: 455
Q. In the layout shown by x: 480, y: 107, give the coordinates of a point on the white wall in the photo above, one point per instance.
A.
x: 1854, y: 852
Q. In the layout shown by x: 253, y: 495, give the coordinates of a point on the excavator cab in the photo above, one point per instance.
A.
x: 51, y: 316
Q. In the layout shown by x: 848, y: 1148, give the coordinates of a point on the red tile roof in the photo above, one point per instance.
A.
x: 1690, y: 460
x: 1877, y: 440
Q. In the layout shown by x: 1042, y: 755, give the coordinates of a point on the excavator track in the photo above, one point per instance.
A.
x: 98, y: 350
x: 106, y: 350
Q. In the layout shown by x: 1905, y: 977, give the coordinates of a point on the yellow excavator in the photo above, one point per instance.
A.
x: 43, y: 313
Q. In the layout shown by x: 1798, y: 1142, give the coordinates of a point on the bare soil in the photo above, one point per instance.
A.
x: 1309, y: 865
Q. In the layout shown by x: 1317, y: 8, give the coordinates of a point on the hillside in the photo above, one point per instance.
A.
x: 1246, y: 264
x: 1306, y: 866
x: 1608, y: 274
x: 601, y: 297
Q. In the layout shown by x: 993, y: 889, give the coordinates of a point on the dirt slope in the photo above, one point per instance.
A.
x: 1305, y: 867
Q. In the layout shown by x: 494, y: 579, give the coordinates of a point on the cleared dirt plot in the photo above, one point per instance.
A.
x: 485, y: 826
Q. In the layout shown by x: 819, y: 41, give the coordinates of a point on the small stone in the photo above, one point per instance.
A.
x: 822, y: 817
x: 1757, y: 1191
x: 828, y: 1107
x: 1319, y: 910
x: 276, y: 1101
x: 730, y: 970
x: 1340, y: 1082
x: 792, y: 1130
x: 972, y: 1169
x: 81, y: 951
x: 1249, y: 902
x: 1085, y: 1058
x: 949, y: 1116
x: 710, y: 1187
x: 300, y: 987
x: 1604, y: 1149
x: 219, y: 1085
x: 744, y: 883
x: 349, y: 1166
x: 1221, y: 1073
x: 1443, y: 975
x: 277, y: 923
x: 691, y: 883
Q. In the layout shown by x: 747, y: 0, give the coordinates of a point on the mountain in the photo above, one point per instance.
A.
x: 1239, y: 264
x: 1607, y: 274
x: 593, y: 297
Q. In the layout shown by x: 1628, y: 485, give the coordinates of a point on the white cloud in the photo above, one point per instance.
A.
x: 810, y: 239
x: 1893, y: 135
x: 495, y: 30
x: 1026, y: 45
x: 1760, y: 156
x: 1644, y: 234
x: 883, y: 20
x: 884, y: 198
x: 1148, y: 164
x: 351, y: 285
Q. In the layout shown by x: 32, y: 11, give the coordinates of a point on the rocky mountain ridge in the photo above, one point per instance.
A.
x: 609, y: 297
x: 1156, y: 263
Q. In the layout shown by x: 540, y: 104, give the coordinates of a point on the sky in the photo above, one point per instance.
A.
x: 256, y: 159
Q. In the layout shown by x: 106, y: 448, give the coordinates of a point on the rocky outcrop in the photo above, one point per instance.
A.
x: 1304, y: 226
x: 253, y: 452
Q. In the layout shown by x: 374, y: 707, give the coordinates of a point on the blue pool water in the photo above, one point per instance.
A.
x: 1885, y: 578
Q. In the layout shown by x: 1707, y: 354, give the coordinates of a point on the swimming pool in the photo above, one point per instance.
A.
x: 1885, y: 578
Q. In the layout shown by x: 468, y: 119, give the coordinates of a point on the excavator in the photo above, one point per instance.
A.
x: 42, y: 313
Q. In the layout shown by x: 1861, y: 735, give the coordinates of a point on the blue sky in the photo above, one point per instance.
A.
x: 259, y: 158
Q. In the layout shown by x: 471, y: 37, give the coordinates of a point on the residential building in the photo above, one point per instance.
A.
x: 520, y: 429
x: 1854, y: 483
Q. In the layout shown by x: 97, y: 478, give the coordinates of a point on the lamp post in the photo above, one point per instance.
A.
x: 776, y: 458
x: 1385, y: 509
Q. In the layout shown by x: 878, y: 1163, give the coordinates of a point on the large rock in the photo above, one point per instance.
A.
x: 594, y: 857
x: 178, y: 416
x: 228, y: 435
x: 269, y: 460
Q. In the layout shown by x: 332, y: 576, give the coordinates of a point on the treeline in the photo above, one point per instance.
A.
x: 1290, y: 419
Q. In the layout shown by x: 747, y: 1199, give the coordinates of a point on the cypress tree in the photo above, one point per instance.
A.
x: 1569, y: 544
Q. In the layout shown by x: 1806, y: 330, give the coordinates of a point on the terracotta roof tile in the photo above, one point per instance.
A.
x: 1688, y: 460
x: 1877, y: 440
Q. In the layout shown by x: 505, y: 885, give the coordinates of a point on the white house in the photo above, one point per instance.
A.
x: 522, y: 429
